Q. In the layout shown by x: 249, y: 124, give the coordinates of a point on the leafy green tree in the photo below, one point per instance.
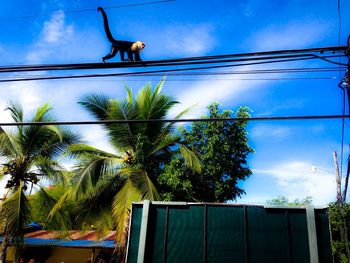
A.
x: 223, y: 149
x: 28, y: 154
x: 339, y: 219
x: 284, y: 201
x: 106, y: 180
x: 42, y: 202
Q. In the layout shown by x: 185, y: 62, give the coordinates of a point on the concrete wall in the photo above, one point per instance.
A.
x: 70, y: 255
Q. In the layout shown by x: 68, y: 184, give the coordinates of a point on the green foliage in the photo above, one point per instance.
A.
x: 339, y: 218
x: 28, y: 154
x: 284, y: 201
x: 222, y: 148
x: 105, y: 180
x: 42, y: 203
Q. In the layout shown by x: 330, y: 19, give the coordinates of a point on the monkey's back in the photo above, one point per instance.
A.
x: 123, y: 45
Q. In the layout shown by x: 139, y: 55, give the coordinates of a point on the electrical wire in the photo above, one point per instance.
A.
x: 238, y: 72
x: 343, y: 95
x: 149, y: 72
x: 141, y: 64
x: 187, y: 61
x: 226, y: 79
x: 138, y: 121
x: 86, y: 10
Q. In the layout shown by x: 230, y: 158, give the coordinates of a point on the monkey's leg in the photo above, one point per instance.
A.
x: 137, y: 57
x: 130, y: 56
x: 122, y: 55
x: 111, y: 54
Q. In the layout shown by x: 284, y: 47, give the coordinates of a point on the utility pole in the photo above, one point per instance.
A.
x: 345, y: 85
x: 337, y: 177
x: 341, y: 197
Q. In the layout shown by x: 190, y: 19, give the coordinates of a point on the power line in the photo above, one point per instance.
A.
x: 144, y: 73
x: 237, y: 72
x: 86, y: 10
x: 255, y: 71
x: 138, y: 121
x: 153, y: 63
x: 229, y: 79
x: 267, y: 55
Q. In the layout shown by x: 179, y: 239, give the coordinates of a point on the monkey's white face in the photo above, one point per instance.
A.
x: 140, y: 45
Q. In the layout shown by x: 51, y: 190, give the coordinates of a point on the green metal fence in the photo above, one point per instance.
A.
x: 180, y: 232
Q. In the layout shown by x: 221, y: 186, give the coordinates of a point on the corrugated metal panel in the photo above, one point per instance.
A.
x: 213, y: 233
x: 73, y: 238
x: 86, y: 243
x: 32, y: 241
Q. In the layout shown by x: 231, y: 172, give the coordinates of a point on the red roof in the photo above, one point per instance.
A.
x: 90, y: 235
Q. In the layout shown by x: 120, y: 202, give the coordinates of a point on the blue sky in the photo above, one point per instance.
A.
x: 284, y: 151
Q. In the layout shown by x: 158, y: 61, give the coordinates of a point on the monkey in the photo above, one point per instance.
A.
x: 131, y: 48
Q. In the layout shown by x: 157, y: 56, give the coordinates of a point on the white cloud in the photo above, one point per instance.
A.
x: 179, y: 40
x: 96, y: 136
x: 285, y: 105
x: 27, y: 94
x: 296, y: 180
x: 55, y: 32
x: 294, y: 35
x: 202, y: 93
x: 188, y: 39
x: 270, y: 131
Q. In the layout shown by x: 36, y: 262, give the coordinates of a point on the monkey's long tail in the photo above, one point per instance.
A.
x: 106, y: 25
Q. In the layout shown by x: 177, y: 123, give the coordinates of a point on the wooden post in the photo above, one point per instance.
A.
x: 337, y: 177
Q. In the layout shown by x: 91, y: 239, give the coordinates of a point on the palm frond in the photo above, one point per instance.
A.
x: 191, y: 158
x: 129, y: 98
x: 41, y: 114
x: 58, y: 219
x: 50, y: 170
x: 90, y: 171
x: 15, y: 211
x: 159, y: 87
x: 33, y: 137
x: 56, y: 145
x: 97, y: 105
x: 57, y: 208
x: 121, y: 209
x: 85, y: 150
x: 2, y: 172
x: 98, y: 202
x: 122, y: 136
x: 142, y: 182
x: 166, y: 142
x: 169, y: 127
x: 8, y: 144
x: 16, y: 111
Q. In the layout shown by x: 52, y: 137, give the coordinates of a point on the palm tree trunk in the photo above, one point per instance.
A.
x: 4, y: 246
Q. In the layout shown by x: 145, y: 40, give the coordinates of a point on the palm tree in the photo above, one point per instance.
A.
x: 106, y: 180
x: 27, y: 154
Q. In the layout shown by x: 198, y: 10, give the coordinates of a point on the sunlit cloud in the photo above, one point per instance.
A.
x: 188, y: 39
x: 290, y: 36
x: 199, y: 95
x: 261, y: 131
x: 96, y: 136
x: 297, y: 180
x: 55, y: 33
x: 179, y: 40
